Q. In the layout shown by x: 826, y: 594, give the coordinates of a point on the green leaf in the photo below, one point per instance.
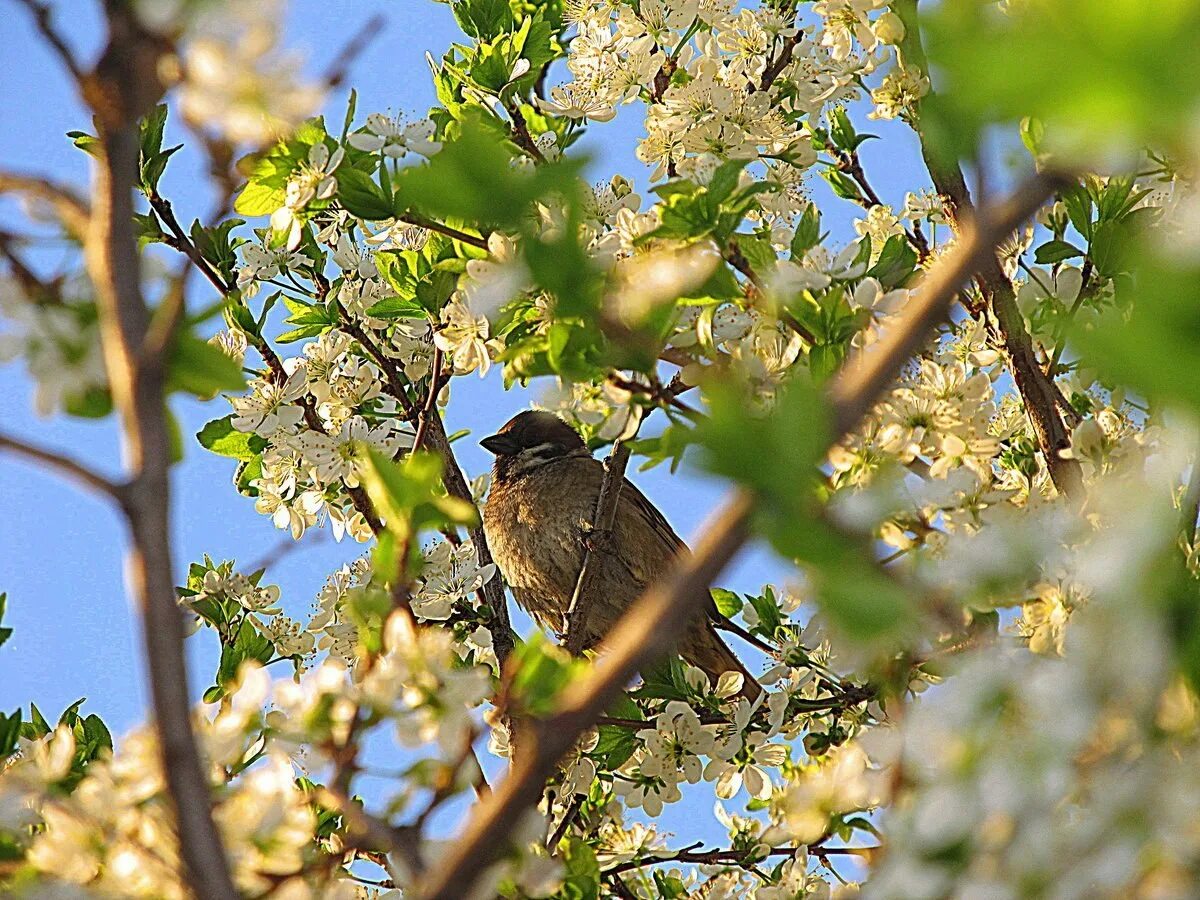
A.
x: 1054, y: 252
x: 88, y: 143
x: 728, y: 603
x: 220, y: 437
x: 38, y: 726
x: 808, y: 231
x: 361, y: 196
x: 581, y: 880
x: 782, y: 472
x: 258, y: 199
x: 767, y: 610
x: 396, y: 308
x: 71, y: 713
x: 217, y: 245
x: 409, y: 496
x: 472, y: 178
x: 542, y: 670
x: 10, y: 731
x: 664, y: 681
x: 897, y: 261
x: 302, y: 333
x: 1155, y: 345
x: 5, y: 633
x: 200, y: 368
x: 248, y: 471
x: 483, y: 19
x: 725, y: 180
x: 842, y: 184
x: 147, y: 230
x: 247, y: 645
x: 94, y: 403
x: 1119, y: 75
x: 615, y: 745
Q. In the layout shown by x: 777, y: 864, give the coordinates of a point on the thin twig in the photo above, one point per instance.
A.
x: 850, y: 163
x: 67, y: 466
x: 183, y: 243
x: 781, y: 61
x: 421, y: 222
x: 70, y: 209
x: 735, y: 857
x: 41, y: 17
x: 430, y: 400
x: 734, y: 256
x: 1060, y: 332
x: 568, y: 817
x: 597, y: 541
x: 339, y: 69
x: 521, y: 134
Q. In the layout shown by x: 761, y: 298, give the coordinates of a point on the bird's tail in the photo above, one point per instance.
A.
x: 705, y: 650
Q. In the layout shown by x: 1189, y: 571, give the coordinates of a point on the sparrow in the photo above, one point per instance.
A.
x: 545, y: 484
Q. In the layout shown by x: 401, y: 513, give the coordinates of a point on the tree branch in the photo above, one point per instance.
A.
x: 37, y: 290
x: 647, y: 630
x: 462, y: 236
x: 123, y: 83
x: 181, y: 242
x: 521, y: 135
x: 602, y: 525
x: 70, y: 209
x: 66, y: 466
x: 41, y: 17
x: 735, y: 857
x: 1036, y: 387
x: 850, y: 163
x: 339, y: 69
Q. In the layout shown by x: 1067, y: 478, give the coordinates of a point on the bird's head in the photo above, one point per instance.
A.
x: 531, y: 439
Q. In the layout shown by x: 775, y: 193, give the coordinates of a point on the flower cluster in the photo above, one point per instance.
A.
x: 58, y: 338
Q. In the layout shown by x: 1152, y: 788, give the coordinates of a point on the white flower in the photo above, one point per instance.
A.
x: 675, y: 743
x: 464, y: 337
x: 270, y: 407
x: 745, y: 765
x: 393, y: 140
x: 263, y: 263
x: 577, y: 101
x: 313, y: 181
x: 350, y: 259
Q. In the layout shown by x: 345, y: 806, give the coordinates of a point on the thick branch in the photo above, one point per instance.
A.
x: 647, y: 630
x: 137, y: 381
x: 1036, y: 387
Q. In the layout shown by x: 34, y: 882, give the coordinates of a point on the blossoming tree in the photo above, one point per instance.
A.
x: 970, y: 429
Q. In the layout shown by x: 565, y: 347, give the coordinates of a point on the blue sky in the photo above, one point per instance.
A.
x: 61, y: 550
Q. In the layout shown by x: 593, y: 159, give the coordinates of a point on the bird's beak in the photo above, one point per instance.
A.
x: 500, y: 444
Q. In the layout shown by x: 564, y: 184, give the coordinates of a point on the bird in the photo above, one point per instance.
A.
x: 545, y: 484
